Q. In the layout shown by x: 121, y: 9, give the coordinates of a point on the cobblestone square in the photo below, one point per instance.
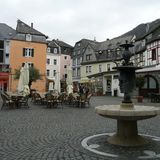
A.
x: 39, y: 133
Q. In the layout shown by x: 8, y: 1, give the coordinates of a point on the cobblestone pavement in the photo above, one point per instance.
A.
x: 38, y: 133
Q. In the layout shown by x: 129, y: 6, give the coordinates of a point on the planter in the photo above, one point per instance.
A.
x: 140, y: 99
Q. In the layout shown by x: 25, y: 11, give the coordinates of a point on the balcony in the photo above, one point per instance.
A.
x: 4, y: 68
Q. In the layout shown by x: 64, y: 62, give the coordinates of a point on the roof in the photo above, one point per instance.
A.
x: 143, y: 29
x: 62, y: 44
x: 26, y: 29
x: 52, y: 44
x: 84, y: 43
x: 6, y: 32
x: 115, y: 42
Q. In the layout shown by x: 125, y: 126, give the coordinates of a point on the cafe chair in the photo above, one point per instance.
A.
x: 24, y: 101
x: 6, y: 101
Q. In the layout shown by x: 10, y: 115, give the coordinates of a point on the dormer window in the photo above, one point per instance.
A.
x: 118, y: 51
x: 28, y: 37
x: 55, y: 50
x: 48, y: 50
x: 100, y: 52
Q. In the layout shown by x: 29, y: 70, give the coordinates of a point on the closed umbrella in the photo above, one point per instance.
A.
x: 24, y: 79
x: 57, y: 82
x: 69, y: 80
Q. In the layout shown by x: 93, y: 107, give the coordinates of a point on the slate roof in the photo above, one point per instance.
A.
x: 84, y: 43
x: 143, y: 29
x: 26, y: 29
x: 62, y: 44
x: 52, y: 44
x: 115, y: 42
x: 6, y: 32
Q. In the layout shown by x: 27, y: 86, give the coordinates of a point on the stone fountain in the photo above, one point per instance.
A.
x: 127, y: 114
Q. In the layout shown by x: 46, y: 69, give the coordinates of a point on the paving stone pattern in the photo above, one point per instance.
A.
x: 39, y: 133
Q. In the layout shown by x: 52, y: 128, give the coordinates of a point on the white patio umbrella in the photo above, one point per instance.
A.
x: 84, y: 80
x: 24, y: 79
x: 57, y: 82
x: 69, y: 80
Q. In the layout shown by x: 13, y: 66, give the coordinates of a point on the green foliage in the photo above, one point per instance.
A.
x: 34, y: 74
x: 17, y: 73
x: 140, y: 81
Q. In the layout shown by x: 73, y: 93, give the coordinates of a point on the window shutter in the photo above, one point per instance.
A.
x: 23, y: 52
x: 32, y: 52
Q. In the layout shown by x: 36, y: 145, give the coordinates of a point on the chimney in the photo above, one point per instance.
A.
x: 31, y: 25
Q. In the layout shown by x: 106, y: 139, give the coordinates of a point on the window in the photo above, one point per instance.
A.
x: 55, y: 50
x: 49, y: 50
x: 74, y: 72
x: 79, y: 44
x: 29, y: 64
x: 108, y: 67
x: 1, y: 56
x: 141, y: 57
x: 48, y: 61
x: 28, y: 37
x: 90, y: 69
x: 28, y: 52
x: 65, y: 57
x: 65, y: 66
x: 78, y: 72
x: 1, y: 44
x: 54, y: 73
x: 65, y: 50
x: 78, y: 61
x: 108, y: 55
x: 74, y: 62
x: 153, y: 54
x: 55, y: 62
x: 65, y: 75
x: 118, y: 52
x: 7, y: 54
x: 79, y: 52
x: 100, y: 68
x: 88, y: 57
x: 48, y: 72
x: 87, y: 69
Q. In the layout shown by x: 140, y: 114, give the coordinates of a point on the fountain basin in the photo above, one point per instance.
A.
x: 127, y: 116
x: 127, y: 113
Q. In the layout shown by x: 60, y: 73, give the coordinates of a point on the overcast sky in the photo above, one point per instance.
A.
x: 72, y: 20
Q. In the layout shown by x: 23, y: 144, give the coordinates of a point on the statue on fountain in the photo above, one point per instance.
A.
x: 127, y: 75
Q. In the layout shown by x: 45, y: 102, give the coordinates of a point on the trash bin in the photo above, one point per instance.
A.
x: 115, y: 92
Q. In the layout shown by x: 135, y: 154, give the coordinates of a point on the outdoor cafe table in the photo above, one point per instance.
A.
x: 16, y: 97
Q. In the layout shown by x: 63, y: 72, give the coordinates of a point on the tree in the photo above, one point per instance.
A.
x: 140, y: 81
x: 34, y: 75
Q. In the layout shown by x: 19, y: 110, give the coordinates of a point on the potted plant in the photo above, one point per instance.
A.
x: 140, y: 81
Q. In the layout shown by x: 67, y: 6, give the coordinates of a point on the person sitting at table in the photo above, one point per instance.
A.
x: 86, y: 91
x: 81, y: 90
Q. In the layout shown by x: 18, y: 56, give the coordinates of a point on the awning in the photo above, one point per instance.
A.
x: 84, y: 80
x: 149, y: 69
x: 4, y: 76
